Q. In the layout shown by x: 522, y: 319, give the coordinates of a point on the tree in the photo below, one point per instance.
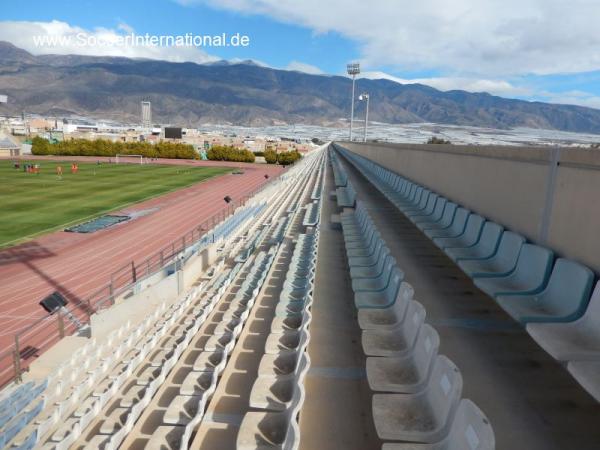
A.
x: 270, y: 156
x: 437, y: 140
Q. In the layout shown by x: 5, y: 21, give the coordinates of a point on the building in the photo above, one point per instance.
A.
x: 3, y: 99
x: 8, y: 148
x: 146, y: 115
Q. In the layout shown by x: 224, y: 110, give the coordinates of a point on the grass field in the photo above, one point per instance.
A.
x: 32, y: 204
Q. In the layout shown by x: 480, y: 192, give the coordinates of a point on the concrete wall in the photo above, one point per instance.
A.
x: 550, y: 195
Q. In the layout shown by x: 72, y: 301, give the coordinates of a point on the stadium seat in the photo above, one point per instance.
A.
x: 398, y: 341
x: 262, y: 430
x: 383, y: 298
x: 456, y: 228
x: 421, y: 206
x: 501, y: 263
x: 442, y: 222
x: 378, y: 283
x: 485, y: 247
x: 275, y: 392
x: 408, y: 374
x: 435, y: 215
x: 563, y: 300
x: 425, y: 416
x: 386, y: 318
x: 529, y: 277
x: 577, y: 340
x: 469, y: 238
x: 375, y: 270
x: 428, y: 208
x: 587, y: 373
x: 471, y: 430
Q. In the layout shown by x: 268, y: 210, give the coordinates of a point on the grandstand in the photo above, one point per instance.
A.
x: 341, y: 306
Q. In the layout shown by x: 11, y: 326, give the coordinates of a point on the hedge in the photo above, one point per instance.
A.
x: 225, y: 153
x: 101, y: 147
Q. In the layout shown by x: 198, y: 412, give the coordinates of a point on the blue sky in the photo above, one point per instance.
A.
x: 532, y: 49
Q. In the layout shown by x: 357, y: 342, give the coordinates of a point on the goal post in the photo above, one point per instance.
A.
x: 129, y: 159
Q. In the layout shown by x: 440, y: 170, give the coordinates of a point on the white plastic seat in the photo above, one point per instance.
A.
x: 471, y: 430
x: 387, y: 318
x: 425, y: 416
x: 408, y: 374
x: 398, y: 341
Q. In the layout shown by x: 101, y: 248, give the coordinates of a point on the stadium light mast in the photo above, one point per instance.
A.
x: 353, y: 70
x: 365, y: 97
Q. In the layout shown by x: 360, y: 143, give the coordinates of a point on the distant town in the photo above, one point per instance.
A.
x: 16, y: 134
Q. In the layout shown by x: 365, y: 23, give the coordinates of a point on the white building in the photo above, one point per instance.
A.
x: 146, y: 115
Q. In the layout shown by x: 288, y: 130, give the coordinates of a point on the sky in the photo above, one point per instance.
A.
x: 546, y: 50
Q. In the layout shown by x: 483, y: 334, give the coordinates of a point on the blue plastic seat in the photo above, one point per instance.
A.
x: 572, y: 341
x: 419, y: 207
x: 443, y: 222
x: 485, y: 247
x: 529, y: 277
x: 565, y: 298
x: 468, y: 238
x: 501, y: 263
x: 427, y: 210
x: 436, y: 214
x: 456, y: 228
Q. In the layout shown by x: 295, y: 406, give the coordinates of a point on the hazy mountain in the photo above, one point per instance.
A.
x: 249, y: 94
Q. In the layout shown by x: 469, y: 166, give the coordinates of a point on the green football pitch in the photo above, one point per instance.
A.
x: 32, y: 204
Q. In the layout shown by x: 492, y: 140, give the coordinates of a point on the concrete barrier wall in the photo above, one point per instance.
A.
x: 550, y: 195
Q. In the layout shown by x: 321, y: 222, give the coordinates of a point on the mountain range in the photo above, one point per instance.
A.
x: 245, y: 93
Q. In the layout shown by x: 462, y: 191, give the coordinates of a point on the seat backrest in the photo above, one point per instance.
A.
x: 426, y: 348
x: 424, y: 198
x: 473, y: 229
x: 431, y: 202
x: 416, y: 198
x: 444, y: 389
x: 460, y: 221
x: 489, y: 239
x: 449, y: 212
x: 508, y: 251
x: 415, y: 316
x: 569, y: 287
x: 409, y: 190
x: 534, y: 266
x: 471, y: 429
x: 438, y: 210
x: 592, y: 313
x: 393, y: 288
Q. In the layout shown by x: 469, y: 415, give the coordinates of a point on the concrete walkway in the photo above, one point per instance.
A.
x: 531, y: 400
x: 337, y: 410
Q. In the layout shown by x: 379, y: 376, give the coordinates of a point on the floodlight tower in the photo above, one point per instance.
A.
x: 365, y: 97
x: 353, y: 70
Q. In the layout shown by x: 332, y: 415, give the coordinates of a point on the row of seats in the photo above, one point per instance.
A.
x: 225, y: 229
x: 170, y: 337
x: 278, y: 392
x: 186, y: 409
x: 340, y: 177
x: 318, y: 187
x: 70, y: 384
x: 417, y: 392
x: 552, y: 298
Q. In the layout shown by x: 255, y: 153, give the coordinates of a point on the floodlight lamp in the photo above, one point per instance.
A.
x: 353, y: 68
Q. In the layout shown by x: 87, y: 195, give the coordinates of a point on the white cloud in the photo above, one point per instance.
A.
x: 61, y: 38
x: 496, y: 87
x: 303, y: 67
x: 491, y: 38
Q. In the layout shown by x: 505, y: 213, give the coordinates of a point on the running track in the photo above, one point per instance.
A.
x: 79, y: 264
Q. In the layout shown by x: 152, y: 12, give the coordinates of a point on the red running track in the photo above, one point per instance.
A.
x: 80, y: 264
